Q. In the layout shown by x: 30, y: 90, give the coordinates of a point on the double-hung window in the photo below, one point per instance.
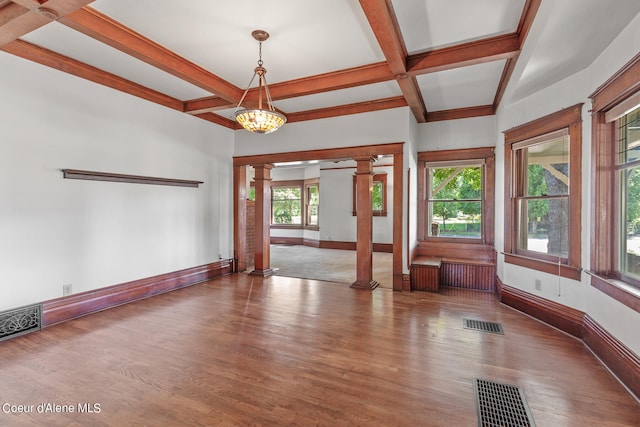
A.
x: 286, y: 205
x: 615, y: 236
x: 456, y: 190
x: 628, y: 194
x: 543, y: 193
x: 455, y: 198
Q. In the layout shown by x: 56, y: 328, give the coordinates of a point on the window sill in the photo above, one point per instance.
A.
x: 568, y: 271
x: 621, y: 291
x: 285, y: 226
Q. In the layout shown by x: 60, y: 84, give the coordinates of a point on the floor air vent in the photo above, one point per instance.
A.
x: 501, y: 405
x: 481, y: 325
x: 20, y: 321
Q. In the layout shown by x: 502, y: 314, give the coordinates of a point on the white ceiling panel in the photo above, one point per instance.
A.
x: 68, y: 42
x: 307, y: 38
x: 428, y: 24
x: 461, y: 87
x: 567, y: 46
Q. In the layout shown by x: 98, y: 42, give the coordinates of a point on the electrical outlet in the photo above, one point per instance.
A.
x: 538, y: 285
x: 67, y: 289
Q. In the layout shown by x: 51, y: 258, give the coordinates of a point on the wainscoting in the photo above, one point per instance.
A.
x: 72, y: 306
x: 328, y: 244
x: 618, y: 358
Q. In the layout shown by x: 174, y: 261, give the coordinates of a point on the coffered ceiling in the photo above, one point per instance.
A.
x: 443, y: 59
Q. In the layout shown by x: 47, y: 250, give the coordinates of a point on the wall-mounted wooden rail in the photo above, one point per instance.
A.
x: 136, y: 179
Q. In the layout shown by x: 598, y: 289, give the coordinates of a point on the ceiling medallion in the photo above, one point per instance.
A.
x: 259, y: 120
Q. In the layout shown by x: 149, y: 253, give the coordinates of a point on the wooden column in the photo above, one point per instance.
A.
x: 240, y: 223
x: 262, y: 260
x: 364, y: 211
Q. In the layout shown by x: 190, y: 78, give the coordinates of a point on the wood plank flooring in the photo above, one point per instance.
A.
x: 279, y: 351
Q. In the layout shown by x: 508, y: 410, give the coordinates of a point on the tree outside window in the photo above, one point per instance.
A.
x: 455, y: 200
x: 286, y: 205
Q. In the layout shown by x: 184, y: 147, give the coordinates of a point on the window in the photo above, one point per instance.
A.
x: 312, y: 204
x: 615, y: 194
x: 542, y: 178
x: 454, y: 201
x: 542, y: 195
x: 378, y: 195
x: 628, y: 196
x: 457, y: 197
x: 286, y: 205
x: 295, y: 204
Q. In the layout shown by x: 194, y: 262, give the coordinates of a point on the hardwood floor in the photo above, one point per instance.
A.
x: 243, y: 350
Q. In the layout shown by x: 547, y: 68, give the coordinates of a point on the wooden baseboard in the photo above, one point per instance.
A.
x: 620, y: 360
x: 72, y: 306
x: 562, y: 317
x: 351, y: 246
x: 286, y: 240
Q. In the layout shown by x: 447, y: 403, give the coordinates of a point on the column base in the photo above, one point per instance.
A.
x: 370, y: 285
x: 263, y: 273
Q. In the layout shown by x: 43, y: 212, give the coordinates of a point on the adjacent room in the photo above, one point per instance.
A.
x: 348, y: 212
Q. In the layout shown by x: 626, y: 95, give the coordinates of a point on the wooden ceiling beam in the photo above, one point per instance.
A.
x: 101, y: 27
x: 465, y: 54
x: 21, y: 17
x: 320, y: 83
x: 384, y: 24
x: 343, y: 110
x: 461, y: 113
x: 529, y: 12
x: 51, y: 59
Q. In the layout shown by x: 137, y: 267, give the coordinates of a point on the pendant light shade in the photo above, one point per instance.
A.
x: 259, y: 120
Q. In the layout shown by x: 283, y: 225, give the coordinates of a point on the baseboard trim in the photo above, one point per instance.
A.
x: 613, y: 354
x: 562, y: 317
x: 351, y: 246
x: 73, y: 306
x: 620, y: 360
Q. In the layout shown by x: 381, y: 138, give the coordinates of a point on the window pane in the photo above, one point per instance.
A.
x: 629, y: 131
x: 313, y: 198
x: 456, y: 183
x: 630, y: 186
x: 286, y: 205
x: 377, y: 196
x: 456, y: 219
x: 544, y: 226
x: 459, y: 213
x: 547, y: 168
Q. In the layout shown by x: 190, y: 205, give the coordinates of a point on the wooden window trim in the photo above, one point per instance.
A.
x: 379, y: 177
x: 310, y: 183
x: 616, y: 91
x: 570, y: 118
x: 485, y: 155
x: 302, y: 184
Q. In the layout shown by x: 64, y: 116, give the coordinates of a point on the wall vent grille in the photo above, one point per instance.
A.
x: 20, y: 321
x: 481, y: 325
x: 501, y: 405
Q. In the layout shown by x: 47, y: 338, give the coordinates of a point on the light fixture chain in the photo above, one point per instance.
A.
x: 260, y: 54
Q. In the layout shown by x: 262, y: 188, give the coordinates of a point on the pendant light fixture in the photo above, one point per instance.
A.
x: 259, y: 120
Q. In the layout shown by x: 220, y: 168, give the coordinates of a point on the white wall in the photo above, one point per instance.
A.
x: 337, y: 222
x: 618, y: 319
x: 91, y: 234
x: 455, y: 134
x: 379, y: 127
